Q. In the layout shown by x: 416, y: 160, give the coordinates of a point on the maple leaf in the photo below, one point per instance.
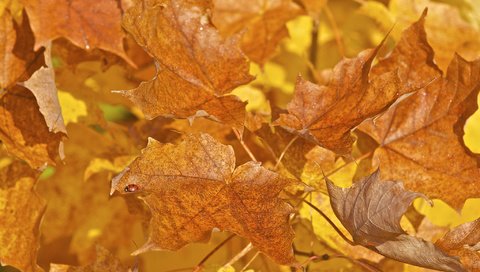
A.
x: 25, y: 133
x: 371, y: 210
x: 193, y: 187
x: 326, y: 114
x: 86, y: 23
x: 18, y: 59
x: 42, y: 85
x: 262, y: 21
x: 21, y: 210
x: 463, y: 241
x: 197, y: 67
x: 431, y: 122
x: 448, y: 31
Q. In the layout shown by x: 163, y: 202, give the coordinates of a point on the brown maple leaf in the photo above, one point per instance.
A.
x: 448, y: 28
x: 18, y: 59
x: 464, y: 241
x: 420, y: 138
x: 262, y: 21
x: 86, y: 23
x: 194, y: 186
x: 24, y: 132
x: 371, y: 210
x: 196, y: 66
x: 326, y: 114
x: 21, y: 210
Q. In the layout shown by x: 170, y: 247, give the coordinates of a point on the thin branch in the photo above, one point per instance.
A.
x: 251, y: 261
x: 285, y: 151
x: 198, y: 267
x: 330, y: 222
x: 336, y: 32
x: 240, y: 139
x: 239, y: 255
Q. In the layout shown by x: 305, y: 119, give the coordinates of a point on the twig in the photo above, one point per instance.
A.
x: 198, y: 267
x: 239, y: 255
x: 285, y: 151
x: 336, y: 32
x: 251, y: 261
x: 240, y: 139
x: 330, y: 222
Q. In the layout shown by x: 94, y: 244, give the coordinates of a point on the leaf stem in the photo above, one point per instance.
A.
x: 240, y: 139
x: 239, y: 255
x: 198, y: 267
x: 285, y: 151
x: 330, y: 222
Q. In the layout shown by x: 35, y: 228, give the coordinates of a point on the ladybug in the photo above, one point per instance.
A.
x: 131, y: 188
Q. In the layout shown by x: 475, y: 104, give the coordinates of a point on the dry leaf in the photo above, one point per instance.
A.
x: 326, y: 114
x: 420, y: 137
x: 18, y: 59
x: 196, y: 66
x: 448, y: 31
x: 86, y: 23
x: 25, y: 133
x: 261, y: 21
x: 193, y: 187
x: 371, y: 210
x: 464, y: 241
x: 21, y: 210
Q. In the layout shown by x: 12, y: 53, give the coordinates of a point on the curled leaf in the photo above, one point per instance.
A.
x: 371, y: 210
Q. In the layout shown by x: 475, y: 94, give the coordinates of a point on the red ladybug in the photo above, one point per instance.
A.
x: 131, y: 188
